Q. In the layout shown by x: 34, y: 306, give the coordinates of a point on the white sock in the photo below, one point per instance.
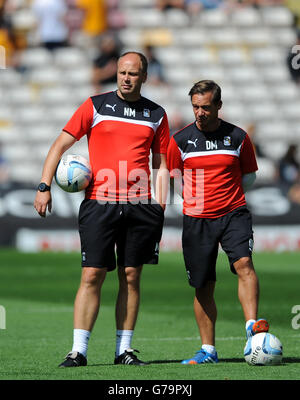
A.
x: 123, y: 341
x: 80, y: 341
x: 249, y: 322
x: 209, y: 348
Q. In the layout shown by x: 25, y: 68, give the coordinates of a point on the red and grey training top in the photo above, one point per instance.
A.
x: 212, y: 165
x: 120, y: 136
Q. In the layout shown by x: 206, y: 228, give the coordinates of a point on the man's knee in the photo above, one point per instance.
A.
x: 244, y: 266
x: 93, y: 276
x: 130, y: 276
x: 205, y: 292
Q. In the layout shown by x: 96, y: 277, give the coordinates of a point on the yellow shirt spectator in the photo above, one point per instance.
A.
x: 95, y: 18
x: 294, y: 6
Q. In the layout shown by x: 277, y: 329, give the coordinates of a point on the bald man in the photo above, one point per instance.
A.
x: 120, y: 225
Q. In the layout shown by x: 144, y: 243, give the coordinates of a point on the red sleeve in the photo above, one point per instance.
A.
x: 174, y: 159
x: 81, y: 121
x: 161, y: 138
x: 247, y: 157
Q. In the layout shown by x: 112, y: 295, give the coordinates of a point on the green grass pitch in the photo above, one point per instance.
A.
x: 37, y: 291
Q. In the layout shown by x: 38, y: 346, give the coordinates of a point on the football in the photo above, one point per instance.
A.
x: 263, y: 349
x: 73, y: 173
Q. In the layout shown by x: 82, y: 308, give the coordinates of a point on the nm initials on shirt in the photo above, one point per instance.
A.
x: 129, y: 112
x: 211, y: 145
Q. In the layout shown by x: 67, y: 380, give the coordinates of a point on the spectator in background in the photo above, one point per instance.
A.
x: 293, y: 61
x: 194, y: 7
x: 155, y: 69
x: 4, y: 172
x: 289, y: 167
x: 289, y: 174
x: 105, y: 65
x: 231, y: 4
x: 164, y: 5
x: 7, y: 37
x: 294, y: 193
x: 267, y: 166
x: 73, y: 19
x: 52, y: 27
x: 94, y: 19
x: 263, y: 3
x: 251, y: 130
x: 294, y: 7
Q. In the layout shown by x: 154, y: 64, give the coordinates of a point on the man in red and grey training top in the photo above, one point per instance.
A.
x: 122, y: 129
x: 216, y: 161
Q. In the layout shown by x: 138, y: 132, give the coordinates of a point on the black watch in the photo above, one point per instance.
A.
x: 43, y: 187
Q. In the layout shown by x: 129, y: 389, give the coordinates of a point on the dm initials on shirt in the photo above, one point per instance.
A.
x: 211, y: 145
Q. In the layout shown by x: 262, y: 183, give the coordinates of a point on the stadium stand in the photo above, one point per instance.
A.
x: 243, y: 49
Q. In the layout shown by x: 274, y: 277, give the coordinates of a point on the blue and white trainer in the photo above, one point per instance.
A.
x: 259, y: 326
x: 202, y: 357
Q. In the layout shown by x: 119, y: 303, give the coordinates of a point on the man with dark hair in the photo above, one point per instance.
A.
x: 206, y: 86
x: 217, y: 162
x: 122, y: 129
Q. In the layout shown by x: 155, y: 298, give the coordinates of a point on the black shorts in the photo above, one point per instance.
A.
x: 131, y: 232
x: 201, y: 238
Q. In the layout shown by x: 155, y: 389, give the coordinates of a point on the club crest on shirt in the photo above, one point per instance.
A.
x: 251, y: 244
x: 227, y: 141
x: 146, y: 113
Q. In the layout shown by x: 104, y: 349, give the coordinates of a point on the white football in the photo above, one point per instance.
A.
x: 263, y: 349
x: 73, y: 173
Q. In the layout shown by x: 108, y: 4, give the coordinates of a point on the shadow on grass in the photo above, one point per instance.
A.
x: 164, y: 361
x: 149, y: 362
x: 290, y: 360
x: 234, y: 360
x: 286, y: 360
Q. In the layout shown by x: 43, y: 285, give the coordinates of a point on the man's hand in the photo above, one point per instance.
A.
x: 160, y: 178
x: 42, y: 202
